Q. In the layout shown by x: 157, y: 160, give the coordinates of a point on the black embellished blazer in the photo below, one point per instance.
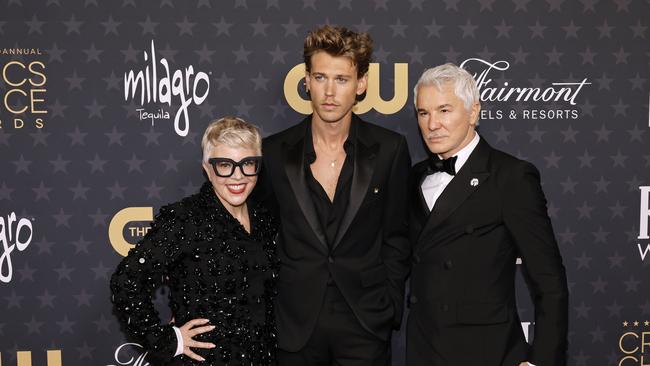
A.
x: 215, y: 270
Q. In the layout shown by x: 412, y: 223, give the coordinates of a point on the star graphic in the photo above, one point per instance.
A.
x: 277, y: 54
x: 62, y: 219
x: 5, y: 192
x: 537, y: 30
x: 114, y: 137
x: 85, y: 351
x: 617, y: 210
x: 567, y: 236
x: 601, y: 185
x: 65, y: 325
x: 433, y: 29
x: 416, y: 55
x: 79, y: 191
x: 117, y: 191
x: 632, y: 284
x: 103, y: 324
x: 241, y: 55
x: 44, y: 246
x: 363, y: 27
x: 291, y: 28
x: 243, y: 109
x: 600, y: 236
x: 46, y: 299
x: 75, y: 81
x: 97, y: 164
x: 536, y: 134
x: 568, y: 185
x: 399, y: 29
x: 190, y: 188
x: 637, y: 82
x: 603, y: 134
x: 77, y: 137
x: 34, y: 25
x: 582, y: 310
x: 92, y: 53
x: 26, y: 273
x: 620, y: 108
x: 57, y: 109
x: 552, y: 160
x: 110, y: 26
x: 554, y: 56
x: 148, y: 26
x: 223, y: 27
x: 279, y: 109
x: 170, y: 163
x: 130, y: 54
x: 81, y: 245
x: 185, y: 27
x: 153, y: 190
x: 151, y: 136
x: 101, y: 271
x: 205, y: 54
x: 588, y: 56
x: 638, y: 30
x: 55, y: 53
x: 224, y: 81
x: 260, y: 81
x: 621, y: 56
x: 381, y: 55
x: 64, y: 272
x: 571, y: 30
x: 83, y: 298
x: 22, y: 164
x: 99, y: 218
x: 619, y: 159
x: 468, y: 29
x: 34, y: 326
x: 73, y: 25
x: 259, y: 27
x: 520, y: 56
x: 40, y: 137
x: 584, y: 211
x: 95, y: 109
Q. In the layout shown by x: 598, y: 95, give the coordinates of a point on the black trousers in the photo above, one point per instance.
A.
x: 338, y: 339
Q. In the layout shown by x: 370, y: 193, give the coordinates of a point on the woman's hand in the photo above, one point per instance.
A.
x: 188, y: 331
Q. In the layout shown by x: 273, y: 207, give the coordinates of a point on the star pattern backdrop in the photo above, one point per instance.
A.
x: 69, y: 170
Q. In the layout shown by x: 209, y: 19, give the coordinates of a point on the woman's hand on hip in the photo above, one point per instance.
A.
x: 188, y: 331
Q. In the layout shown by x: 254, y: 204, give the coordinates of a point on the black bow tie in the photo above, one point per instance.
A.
x: 442, y: 165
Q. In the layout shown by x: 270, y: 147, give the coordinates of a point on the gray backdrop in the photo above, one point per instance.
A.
x: 74, y: 151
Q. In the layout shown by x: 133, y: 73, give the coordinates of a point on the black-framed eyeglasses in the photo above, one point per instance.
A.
x: 224, y: 167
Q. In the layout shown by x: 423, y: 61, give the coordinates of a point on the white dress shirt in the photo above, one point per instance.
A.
x: 434, y: 184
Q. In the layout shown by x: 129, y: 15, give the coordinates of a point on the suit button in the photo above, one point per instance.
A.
x: 413, y: 299
x: 469, y: 229
x: 330, y: 259
x: 448, y: 264
x: 444, y: 307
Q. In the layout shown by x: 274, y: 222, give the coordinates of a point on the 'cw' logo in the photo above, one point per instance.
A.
x: 24, y: 358
x: 372, y: 99
x: 119, y: 221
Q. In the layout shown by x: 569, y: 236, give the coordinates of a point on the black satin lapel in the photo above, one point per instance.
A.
x: 364, y: 166
x: 294, y: 166
x: 469, y: 179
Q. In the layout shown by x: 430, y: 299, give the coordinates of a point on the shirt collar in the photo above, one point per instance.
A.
x: 465, y: 152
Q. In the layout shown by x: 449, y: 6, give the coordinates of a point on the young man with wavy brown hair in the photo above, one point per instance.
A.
x: 338, y: 185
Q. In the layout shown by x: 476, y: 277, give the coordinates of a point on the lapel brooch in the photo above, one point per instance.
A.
x: 473, y: 182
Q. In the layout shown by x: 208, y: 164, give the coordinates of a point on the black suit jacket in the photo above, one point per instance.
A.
x: 369, y: 259
x: 462, y: 303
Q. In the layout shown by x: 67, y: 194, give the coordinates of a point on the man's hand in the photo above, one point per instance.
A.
x: 189, y: 330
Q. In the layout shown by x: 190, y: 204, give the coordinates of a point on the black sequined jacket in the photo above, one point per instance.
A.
x: 214, y: 270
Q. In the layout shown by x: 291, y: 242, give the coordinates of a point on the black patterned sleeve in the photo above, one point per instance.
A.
x: 137, y: 277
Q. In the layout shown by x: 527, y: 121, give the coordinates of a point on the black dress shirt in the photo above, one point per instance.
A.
x: 330, y: 213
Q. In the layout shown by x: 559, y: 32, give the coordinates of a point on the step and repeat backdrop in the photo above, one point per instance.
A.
x: 103, y: 104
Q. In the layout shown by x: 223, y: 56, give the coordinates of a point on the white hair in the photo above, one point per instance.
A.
x: 464, y: 84
x: 233, y: 132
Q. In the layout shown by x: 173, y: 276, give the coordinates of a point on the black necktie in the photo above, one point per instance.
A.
x: 442, y: 165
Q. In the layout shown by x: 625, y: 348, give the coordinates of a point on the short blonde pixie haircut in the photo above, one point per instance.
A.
x: 233, y: 132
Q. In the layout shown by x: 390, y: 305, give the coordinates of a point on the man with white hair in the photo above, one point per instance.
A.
x: 474, y: 211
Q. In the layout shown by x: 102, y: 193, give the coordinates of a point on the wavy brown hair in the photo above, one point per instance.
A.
x: 339, y: 41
